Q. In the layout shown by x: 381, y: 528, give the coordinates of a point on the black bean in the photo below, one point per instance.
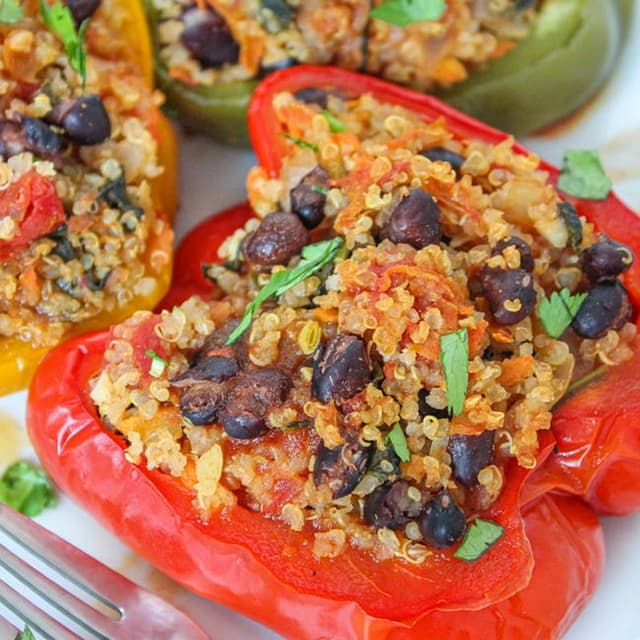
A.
x: 606, y: 259
x: 208, y: 38
x: 391, y: 506
x: 442, y: 522
x: 97, y: 282
x: 216, y: 368
x: 201, y: 402
x: 30, y: 134
x: 279, y: 237
x: 63, y: 247
x: 524, y: 249
x: 85, y: 120
x: 510, y: 286
x: 415, y: 221
x: 384, y: 463
x: 341, y: 468
x: 606, y: 307
x: 253, y: 395
x: 573, y: 223
x: 426, y: 409
x: 340, y: 369
x: 114, y: 193
x: 442, y: 154
x: 82, y: 9
x: 470, y: 454
x: 309, y: 196
x: 313, y: 95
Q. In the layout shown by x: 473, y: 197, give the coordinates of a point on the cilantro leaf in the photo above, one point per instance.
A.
x: 314, y: 257
x: 557, y: 312
x: 582, y: 176
x: 454, y: 356
x: 26, y: 634
x: 59, y: 19
x: 480, y: 537
x: 26, y: 487
x: 398, y: 441
x: 303, y: 144
x: 404, y: 12
x: 335, y: 124
x: 10, y: 12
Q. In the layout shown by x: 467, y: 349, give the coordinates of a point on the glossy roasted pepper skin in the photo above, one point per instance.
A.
x: 564, y: 60
x: 18, y: 360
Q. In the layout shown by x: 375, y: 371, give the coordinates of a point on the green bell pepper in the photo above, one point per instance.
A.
x: 563, y: 61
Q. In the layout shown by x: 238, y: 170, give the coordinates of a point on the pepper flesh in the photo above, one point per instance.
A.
x: 18, y: 359
x: 564, y: 60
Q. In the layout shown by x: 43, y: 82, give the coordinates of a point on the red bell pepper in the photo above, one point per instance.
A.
x: 266, y: 571
x: 598, y: 443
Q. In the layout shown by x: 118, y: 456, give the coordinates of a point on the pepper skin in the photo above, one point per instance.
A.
x: 264, y: 570
x: 561, y: 64
x: 590, y: 462
x: 566, y: 57
x: 18, y: 360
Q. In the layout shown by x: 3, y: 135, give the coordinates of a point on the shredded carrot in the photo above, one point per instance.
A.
x: 515, y: 370
x: 502, y: 47
x: 326, y: 315
x: 449, y: 70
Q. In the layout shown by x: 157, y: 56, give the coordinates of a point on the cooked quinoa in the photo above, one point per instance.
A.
x: 332, y: 413
x: 208, y: 42
x: 91, y: 149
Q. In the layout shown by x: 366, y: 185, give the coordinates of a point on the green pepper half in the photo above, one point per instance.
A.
x: 563, y: 61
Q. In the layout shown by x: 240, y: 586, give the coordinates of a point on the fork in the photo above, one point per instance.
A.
x: 126, y: 611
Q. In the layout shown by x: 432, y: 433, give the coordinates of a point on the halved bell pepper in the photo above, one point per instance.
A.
x: 18, y: 359
x: 597, y: 454
x: 266, y: 571
x: 559, y: 65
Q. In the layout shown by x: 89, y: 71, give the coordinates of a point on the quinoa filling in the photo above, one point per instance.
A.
x: 77, y: 158
x: 390, y: 331
x: 216, y: 42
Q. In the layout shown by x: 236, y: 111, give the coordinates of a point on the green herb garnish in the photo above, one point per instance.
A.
x: 404, y: 12
x: 480, y: 537
x: 335, y: 124
x: 26, y: 634
x: 314, y: 257
x: 303, y: 144
x: 398, y: 441
x: 557, y: 312
x: 582, y: 176
x: 10, y: 12
x: 59, y: 19
x: 25, y: 487
x: 454, y: 356
x: 316, y: 188
x: 158, y: 364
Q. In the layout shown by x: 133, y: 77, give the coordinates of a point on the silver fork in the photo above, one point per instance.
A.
x: 125, y: 611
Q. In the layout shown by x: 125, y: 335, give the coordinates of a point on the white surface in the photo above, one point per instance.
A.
x: 213, y: 177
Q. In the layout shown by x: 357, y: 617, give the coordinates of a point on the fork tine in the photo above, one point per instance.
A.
x: 37, y: 619
x: 93, y: 577
x: 85, y: 616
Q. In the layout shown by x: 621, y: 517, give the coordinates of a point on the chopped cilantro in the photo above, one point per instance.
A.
x: 59, y: 19
x: 158, y: 364
x: 398, y: 441
x: 582, y: 176
x: 314, y: 257
x: 557, y: 312
x: 480, y: 537
x: 26, y: 634
x: 404, y: 12
x: 303, y: 144
x: 316, y: 188
x: 454, y: 356
x: 26, y: 487
x: 335, y: 124
x: 10, y: 12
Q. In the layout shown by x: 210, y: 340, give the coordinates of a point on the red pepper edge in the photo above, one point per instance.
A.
x: 597, y: 455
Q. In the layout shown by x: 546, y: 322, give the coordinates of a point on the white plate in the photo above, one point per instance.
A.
x: 213, y: 177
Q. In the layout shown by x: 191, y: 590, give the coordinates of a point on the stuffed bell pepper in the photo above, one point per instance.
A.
x: 517, y: 65
x: 340, y: 436
x: 87, y: 176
